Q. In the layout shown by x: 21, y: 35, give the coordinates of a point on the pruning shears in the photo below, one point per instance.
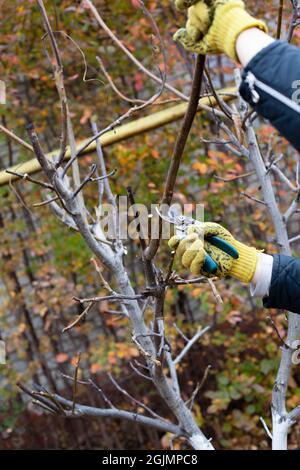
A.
x: 182, y: 223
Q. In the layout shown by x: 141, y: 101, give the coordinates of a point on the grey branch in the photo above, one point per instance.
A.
x: 192, y: 341
x: 83, y: 410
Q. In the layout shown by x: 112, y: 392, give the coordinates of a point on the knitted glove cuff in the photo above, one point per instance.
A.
x: 230, y: 21
x: 244, y: 267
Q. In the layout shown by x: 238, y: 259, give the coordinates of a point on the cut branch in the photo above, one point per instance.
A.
x: 179, y: 147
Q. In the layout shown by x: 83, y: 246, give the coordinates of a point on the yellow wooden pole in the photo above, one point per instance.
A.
x: 120, y: 133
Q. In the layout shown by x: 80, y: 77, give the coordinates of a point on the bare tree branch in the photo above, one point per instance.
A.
x: 180, y: 146
x: 192, y: 341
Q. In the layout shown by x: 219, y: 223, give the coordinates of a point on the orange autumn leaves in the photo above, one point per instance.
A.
x: 113, y: 357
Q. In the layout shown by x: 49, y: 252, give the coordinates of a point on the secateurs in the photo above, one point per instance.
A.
x: 182, y: 223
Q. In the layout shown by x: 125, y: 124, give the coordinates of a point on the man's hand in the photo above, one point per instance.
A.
x: 198, y: 246
x: 213, y: 26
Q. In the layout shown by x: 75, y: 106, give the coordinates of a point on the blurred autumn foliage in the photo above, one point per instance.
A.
x: 43, y: 265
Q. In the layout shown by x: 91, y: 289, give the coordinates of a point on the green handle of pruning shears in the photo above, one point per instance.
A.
x: 210, y: 265
x: 224, y: 246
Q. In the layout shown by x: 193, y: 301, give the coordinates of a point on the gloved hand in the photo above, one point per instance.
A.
x: 194, y: 248
x: 213, y: 26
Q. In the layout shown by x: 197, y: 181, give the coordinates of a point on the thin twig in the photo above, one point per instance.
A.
x: 186, y: 282
x: 234, y: 178
x: 279, y: 20
x: 86, y: 180
x: 68, y: 377
x: 215, y: 291
x: 44, y: 407
x: 198, y: 387
x: 104, y: 283
x: 170, y: 267
x: 266, y: 427
x: 17, y: 139
x: 111, y: 298
x: 31, y: 393
x: 223, y: 106
x: 192, y: 341
x: 144, y: 353
x: 252, y: 198
x: 186, y: 339
x: 107, y: 400
x: 45, y: 394
x: 75, y: 382
x: 26, y: 177
x: 114, y: 87
x: 48, y: 201
x: 134, y: 400
x: 140, y: 373
x: 79, y: 318
x: 284, y: 344
x: 294, y: 239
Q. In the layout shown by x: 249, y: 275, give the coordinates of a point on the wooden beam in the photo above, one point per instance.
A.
x: 125, y: 131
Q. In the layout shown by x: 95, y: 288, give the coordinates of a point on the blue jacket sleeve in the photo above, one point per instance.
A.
x: 285, y: 284
x: 277, y: 69
x: 271, y: 85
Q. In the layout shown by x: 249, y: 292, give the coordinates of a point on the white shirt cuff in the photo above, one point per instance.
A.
x: 261, y: 281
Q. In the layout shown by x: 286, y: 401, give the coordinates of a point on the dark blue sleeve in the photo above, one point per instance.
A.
x: 285, y: 284
x: 278, y: 66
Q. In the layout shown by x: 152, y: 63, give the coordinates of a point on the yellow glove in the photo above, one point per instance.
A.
x: 194, y: 250
x: 213, y: 26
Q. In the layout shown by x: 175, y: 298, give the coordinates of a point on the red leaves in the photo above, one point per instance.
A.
x: 201, y: 168
x: 61, y: 357
x: 138, y: 81
x: 87, y: 113
x: 135, y: 3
